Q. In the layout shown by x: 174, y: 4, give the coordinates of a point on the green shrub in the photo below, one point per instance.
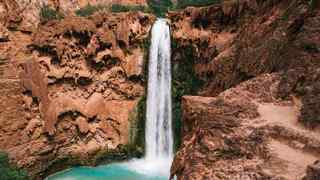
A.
x: 8, y: 172
x: 160, y: 7
x: 122, y: 8
x: 47, y: 14
x: 88, y: 10
x: 313, y: 4
x: 185, y: 3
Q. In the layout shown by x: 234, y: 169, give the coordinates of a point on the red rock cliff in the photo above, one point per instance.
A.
x: 24, y: 14
x: 259, y: 61
x: 70, y: 89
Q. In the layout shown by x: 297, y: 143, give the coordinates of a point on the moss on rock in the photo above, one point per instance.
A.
x: 184, y: 82
x: 9, y: 172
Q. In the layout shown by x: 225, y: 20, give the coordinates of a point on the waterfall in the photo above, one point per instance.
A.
x: 158, y: 132
x: 159, y: 140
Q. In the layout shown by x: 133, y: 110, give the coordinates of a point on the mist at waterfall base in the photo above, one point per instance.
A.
x: 159, y: 139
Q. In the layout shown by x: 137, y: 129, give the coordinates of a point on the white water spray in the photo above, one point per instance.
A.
x: 159, y: 140
x: 158, y: 134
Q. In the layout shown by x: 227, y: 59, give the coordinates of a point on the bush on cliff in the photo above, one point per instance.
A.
x: 122, y: 8
x: 89, y: 10
x: 8, y: 172
x: 313, y: 3
x: 160, y: 7
x: 184, y: 82
x: 48, y: 14
x: 185, y: 3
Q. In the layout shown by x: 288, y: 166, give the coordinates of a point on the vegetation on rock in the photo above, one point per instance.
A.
x: 184, y: 82
x: 89, y: 10
x: 139, y: 139
x: 124, y: 8
x: 8, y: 172
x: 185, y: 3
x: 141, y: 111
x: 313, y: 4
x: 135, y: 147
x: 47, y: 14
x: 160, y: 8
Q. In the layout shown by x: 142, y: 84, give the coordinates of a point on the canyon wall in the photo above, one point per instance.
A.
x: 25, y: 14
x: 256, y: 114
x: 70, y: 91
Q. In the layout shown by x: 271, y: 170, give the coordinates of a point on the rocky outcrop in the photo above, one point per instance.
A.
x: 233, y: 42
x: 258, y: 62
x: 245, y: 133
x: 72, y: 90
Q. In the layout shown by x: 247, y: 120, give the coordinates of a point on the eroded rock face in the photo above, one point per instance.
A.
x: 80, y: 80
x: 240, y: 129
x: 238, y: 40
x: 246, y: 132
x: 24, y: 14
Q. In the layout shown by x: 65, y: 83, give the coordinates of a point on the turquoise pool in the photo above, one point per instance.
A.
x: 118, y: 171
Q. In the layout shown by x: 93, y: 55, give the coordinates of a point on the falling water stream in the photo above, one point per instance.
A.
x: 159, y: 139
